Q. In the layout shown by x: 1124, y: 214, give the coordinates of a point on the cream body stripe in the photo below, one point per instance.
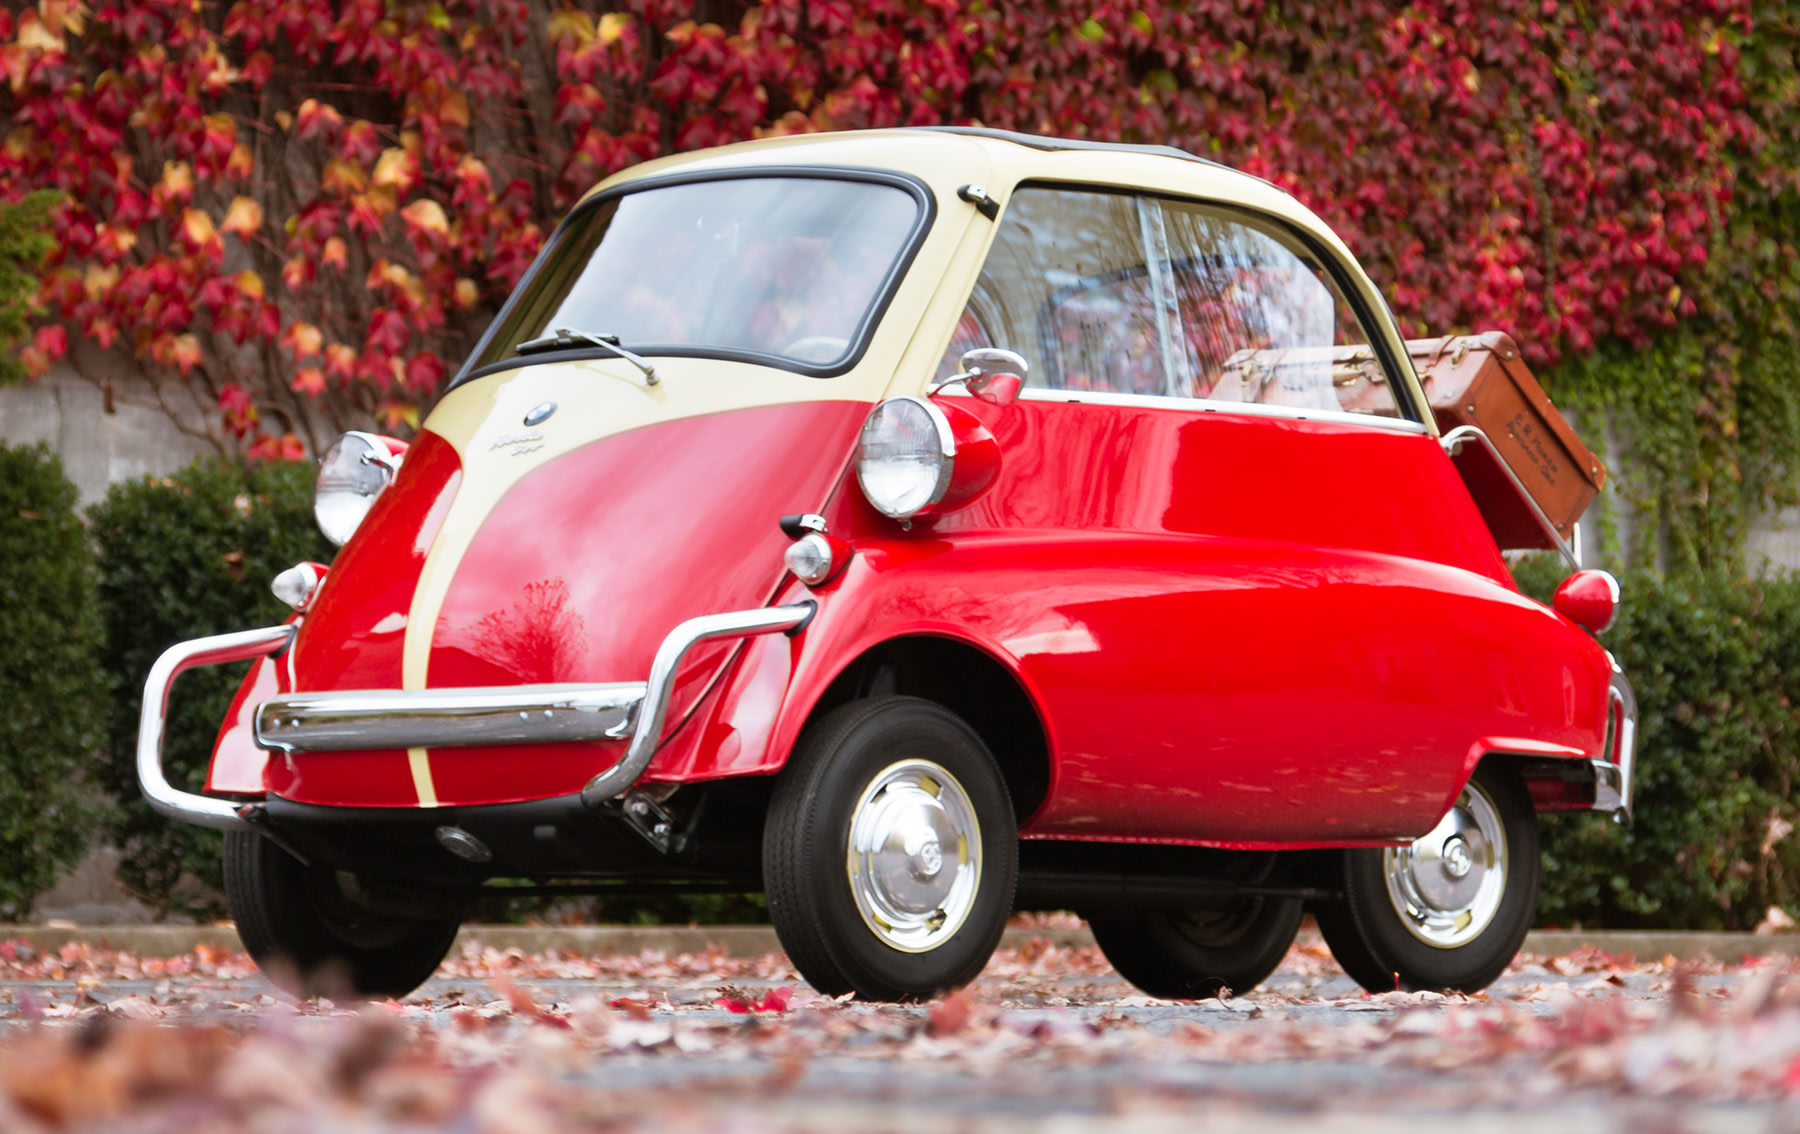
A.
x: 595, y: 399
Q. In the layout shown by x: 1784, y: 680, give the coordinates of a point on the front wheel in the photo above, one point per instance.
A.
x: 309, y: 939
x: 1451, y: 910
x: 890, y: 851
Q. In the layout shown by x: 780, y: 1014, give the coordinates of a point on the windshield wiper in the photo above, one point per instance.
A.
x: 564, y: 339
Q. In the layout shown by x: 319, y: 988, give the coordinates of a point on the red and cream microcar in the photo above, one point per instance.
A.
x: 865, y: 520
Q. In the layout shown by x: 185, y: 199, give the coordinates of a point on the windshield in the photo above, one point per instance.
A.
x: 785, y: 266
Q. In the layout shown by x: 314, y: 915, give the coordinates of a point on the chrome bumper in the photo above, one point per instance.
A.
x: 439, y: 718
x: 1612, y: 778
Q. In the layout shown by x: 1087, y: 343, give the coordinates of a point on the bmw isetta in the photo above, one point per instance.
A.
x: 884, y: 522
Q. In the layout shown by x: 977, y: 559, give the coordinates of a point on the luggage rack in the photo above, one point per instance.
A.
x: 1454, y: 443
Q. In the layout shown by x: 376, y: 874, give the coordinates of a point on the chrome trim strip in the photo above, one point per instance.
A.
x: 164, y: 798
x: 1613, y: 779
x: 447, y: 718
x: 617, y: 780
x: 1454, y: 439
x: 1207, y: 405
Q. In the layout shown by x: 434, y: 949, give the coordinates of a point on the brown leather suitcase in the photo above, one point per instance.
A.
x: 1476, y: 381
x: 1481, y: 381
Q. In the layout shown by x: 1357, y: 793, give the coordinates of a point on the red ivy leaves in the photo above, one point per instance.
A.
x: 389, y: 170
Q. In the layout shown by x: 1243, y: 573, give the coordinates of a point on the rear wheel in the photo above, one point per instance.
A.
x: 1189, y: 954
x: 890, y: 852
x: 310, y: 939
x: 1451, y: 910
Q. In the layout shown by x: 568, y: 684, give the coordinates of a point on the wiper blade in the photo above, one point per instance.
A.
x: 564, y: 339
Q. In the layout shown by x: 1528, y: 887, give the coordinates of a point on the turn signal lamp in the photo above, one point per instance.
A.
x: 355, y: 470
x: 816, y: 556
x: 298, y: 584
x: 1590, y: 599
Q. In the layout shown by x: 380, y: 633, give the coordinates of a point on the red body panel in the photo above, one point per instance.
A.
x: 351, y: 636
x: 237, y: 763
x: 577, y: 575
x: 1238, y: 630
x: 590, y: 561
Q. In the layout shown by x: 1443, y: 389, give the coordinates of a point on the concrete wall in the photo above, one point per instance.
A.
x: 97, y: 448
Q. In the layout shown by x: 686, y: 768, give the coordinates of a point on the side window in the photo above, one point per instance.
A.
x: 1136, y: 295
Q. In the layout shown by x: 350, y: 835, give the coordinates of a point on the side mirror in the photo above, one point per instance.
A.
x: 999, y: 389
x: 1590, y: 599
x: 992, y: 374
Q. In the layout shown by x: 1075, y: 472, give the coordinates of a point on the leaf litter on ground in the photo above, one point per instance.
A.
x: 493, y: 1045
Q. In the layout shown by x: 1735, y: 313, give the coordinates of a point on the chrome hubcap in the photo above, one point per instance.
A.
x: 1447, y: 886
x: 915, y: 855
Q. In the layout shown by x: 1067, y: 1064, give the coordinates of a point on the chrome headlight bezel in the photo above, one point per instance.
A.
x: 932, y: 449
x: 353, y: 472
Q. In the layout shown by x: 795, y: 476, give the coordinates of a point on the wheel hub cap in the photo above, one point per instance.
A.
x: 915, y: 855
x: 1447, y: 886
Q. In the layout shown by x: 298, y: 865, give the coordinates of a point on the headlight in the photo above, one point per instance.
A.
x: 905, y: 457
x: 351, y: 476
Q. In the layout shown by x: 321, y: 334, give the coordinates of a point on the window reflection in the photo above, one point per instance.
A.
x: 790, y: 267
x: 1137, y: 295
x: 539, y: 638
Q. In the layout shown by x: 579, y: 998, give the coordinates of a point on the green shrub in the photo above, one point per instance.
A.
x: 24, y: 241
x: 1715, y: 662
x: 182, y: 557
x: 51, y: 688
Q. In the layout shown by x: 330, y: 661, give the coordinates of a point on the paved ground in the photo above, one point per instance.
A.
x: 1048, y: 1038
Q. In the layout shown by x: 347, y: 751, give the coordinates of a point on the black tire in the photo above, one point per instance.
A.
x: 312, y: 941
x: 1377, y: 943
x: 1192, y: 954
x: 813, y: 899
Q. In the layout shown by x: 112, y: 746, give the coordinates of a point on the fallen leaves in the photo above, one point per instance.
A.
x: 742, y: 1002
x: 509, y: 1041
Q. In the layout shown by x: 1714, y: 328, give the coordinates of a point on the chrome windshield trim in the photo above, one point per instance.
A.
x: 1207, y: 405
x: 447, y: 718
x: 164, y: 798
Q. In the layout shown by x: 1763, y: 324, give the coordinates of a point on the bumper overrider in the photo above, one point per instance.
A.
x: 1613, y: 773
x: 438, y: 718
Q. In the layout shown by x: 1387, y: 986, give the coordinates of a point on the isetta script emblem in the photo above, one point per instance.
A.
x: 527, y: 441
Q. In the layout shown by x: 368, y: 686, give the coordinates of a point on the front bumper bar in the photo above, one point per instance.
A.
x: 440, y: 718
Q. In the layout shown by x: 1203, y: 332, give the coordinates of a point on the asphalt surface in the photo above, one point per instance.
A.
x: 1064, y: 1045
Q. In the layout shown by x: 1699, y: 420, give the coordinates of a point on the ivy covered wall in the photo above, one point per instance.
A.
x: 295, y: 214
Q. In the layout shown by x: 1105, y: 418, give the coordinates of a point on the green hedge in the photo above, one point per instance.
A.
x: 181, y: 557
x: 1715, y: 661
x: 52, y: 693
